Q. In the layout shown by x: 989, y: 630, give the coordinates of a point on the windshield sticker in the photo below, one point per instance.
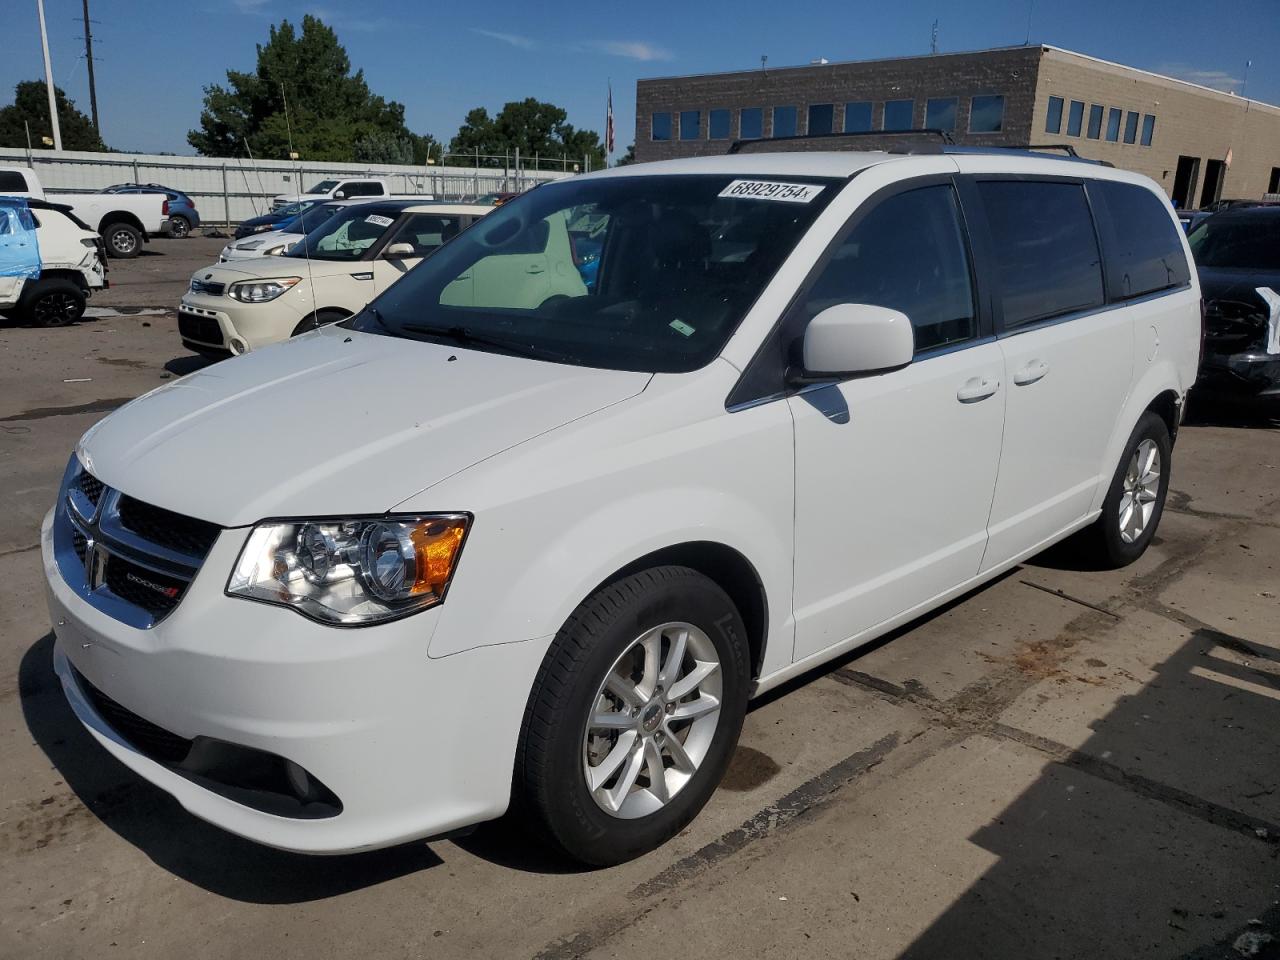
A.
x: 380, y: 221
x: 679, y: 326
x: 772, y: 190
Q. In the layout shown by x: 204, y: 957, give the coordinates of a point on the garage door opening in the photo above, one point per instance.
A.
x: 1184, y: 182
x: 1273, y: 185
x: 1214, y: 173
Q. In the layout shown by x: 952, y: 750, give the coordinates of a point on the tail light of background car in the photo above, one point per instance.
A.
x: 164, y: 208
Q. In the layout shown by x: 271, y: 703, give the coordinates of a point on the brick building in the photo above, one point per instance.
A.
x: 1199, y: 144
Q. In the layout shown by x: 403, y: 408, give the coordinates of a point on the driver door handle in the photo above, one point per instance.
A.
x: 1031, y: 372
x: 977, y: 388
x: 535, y: 268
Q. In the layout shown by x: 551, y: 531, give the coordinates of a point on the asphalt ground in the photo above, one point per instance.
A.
x: 1065, y: 763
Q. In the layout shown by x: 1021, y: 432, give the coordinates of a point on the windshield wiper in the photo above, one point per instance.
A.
x: 464, y: 336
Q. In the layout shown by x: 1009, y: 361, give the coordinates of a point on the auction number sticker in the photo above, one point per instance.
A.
x: 380, y: 221
x: 772, y: 190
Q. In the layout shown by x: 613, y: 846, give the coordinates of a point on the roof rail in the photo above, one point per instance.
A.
x: 819, y: 140
x: 1067, y: 150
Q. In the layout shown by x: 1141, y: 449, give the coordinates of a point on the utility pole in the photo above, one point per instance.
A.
x: 88, y: 56
x: 48, y: 79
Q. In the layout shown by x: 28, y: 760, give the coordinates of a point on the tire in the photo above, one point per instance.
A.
x: 602, y: 639
x: 54, y: 302
x: 124, y: 241
x: 1115, y: 539
x: 179, y: 227
x: 317, y: 320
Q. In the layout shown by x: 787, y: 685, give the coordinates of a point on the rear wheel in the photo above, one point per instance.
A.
x: 123, y: 240
x: 319, y: 319
x: 179, y: 227
x: 1135, y: 500
x: 54, y: 302
x: 634, y: 715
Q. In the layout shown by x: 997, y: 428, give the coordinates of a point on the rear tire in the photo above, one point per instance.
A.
x: 55, y: 302
x: 620, y: 695
x: 124, y: 241
x: 317, y: 320
x: 1135, y: 500
x: 179, y: 227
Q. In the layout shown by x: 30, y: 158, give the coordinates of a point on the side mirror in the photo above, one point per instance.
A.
x: 855, y: 339
x: 399, y: 251
x: 339, y: 194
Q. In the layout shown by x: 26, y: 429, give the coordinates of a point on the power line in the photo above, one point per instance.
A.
x: 88, y: 55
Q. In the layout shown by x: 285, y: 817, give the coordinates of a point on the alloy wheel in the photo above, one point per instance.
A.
x: 1141, y: 490
x: 55, y: 309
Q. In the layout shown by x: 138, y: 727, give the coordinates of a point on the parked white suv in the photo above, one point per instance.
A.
x: 370, y: 188
x: 324, y: 277
x: 364, y: 586
x: 51, y: 262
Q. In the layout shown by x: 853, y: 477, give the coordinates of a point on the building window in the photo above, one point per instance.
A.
x: 821, y: 117
x: 718, y: 124
x: 1053, y: 119
x: 660, y: 126
x: 1148, y: 129
x: 857, y: 117
x: 1075, y: 118
x: 1131, y: 127
x: 897, y: 114
x: 690, y: 124
x: 1113, y: 124
x: 751, y: 123
x: 1095, y: 121
x: 784, y: 121
x: 941, y: 114
x: 986, y: 114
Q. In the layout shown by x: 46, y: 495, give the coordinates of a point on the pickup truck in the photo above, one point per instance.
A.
x: 348, y: 189
x: 124, y: 220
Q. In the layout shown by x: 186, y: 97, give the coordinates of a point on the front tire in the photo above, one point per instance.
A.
x: 317, y: 320
x: 54, y: 303
x: 124, y: 241
x: 1135, y: 500
x: 634, y: 715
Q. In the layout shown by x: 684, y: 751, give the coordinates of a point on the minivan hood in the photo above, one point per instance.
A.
x: 336, y: 422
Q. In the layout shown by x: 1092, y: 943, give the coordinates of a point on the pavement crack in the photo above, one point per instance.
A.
x: 1056, y: 592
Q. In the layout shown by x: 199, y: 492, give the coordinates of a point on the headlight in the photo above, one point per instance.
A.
x: 260, y: 291
x: 263, y: 226
x: 351, y: 572
x: 277, y: 250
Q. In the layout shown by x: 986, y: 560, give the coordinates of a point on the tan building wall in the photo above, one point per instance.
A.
x: 1191, y: 121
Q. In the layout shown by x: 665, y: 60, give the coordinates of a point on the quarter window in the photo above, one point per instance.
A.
x: 1131, y: 127
x: 1113, y: 124
x: 940, y: 114
x: 907, y: 254
x: 660, y: 128
x: 1053, y: 118
x: 897, y: 114
x: 821, y: 116
x: 1075, y: 118
x: 986, y: 114
x: 857, y: 117
x: 751, y: 123
x: 12, y: 181
x: 718, y: 124
x: 1144, y: 252
x: 784, y: 121
x: 1095, y: 121
x: 1148, y: 129
x: 1045, y: 249
x: 690, y: 125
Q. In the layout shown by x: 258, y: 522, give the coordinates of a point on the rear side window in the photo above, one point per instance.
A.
x: 907, y: 254
x: 363, y: 188
x: 1144, y: 252
x: 1044, y: 248
x: 11, y: 180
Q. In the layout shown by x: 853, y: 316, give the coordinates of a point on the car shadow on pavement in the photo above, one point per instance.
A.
x: 1222, y: 410
x: 181, y: 366
x: 176, y: 841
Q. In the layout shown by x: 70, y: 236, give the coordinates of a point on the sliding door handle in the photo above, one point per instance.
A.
x: 1031, y: 372
x: 977, y: 388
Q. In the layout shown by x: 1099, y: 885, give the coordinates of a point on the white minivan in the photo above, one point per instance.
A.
x: 465, y: 548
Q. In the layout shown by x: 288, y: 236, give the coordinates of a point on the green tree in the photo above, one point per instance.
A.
x: 534, y: 128
x: 627, y: 158
x: 330, y: 109
x: 31, y: 106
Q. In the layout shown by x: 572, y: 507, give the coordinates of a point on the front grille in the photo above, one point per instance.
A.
x: 200, y: 329
x: 80, y: 544
x: 210, y: 287
x: 90, y: 486
x: 154, y: 592
x: 166, y: 528
x: 143, y: 735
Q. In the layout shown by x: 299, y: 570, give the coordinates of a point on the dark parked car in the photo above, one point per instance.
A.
x: 1237, y: 254
x: 183, y: 217
x: 276, y: 218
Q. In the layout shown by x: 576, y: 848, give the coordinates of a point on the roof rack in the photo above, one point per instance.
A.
x: 820, y: 139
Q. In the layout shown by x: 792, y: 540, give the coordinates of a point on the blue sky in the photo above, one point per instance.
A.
x: 154, y: 56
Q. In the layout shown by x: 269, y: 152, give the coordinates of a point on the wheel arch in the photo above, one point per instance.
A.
x: 62, y: 273
x: 121, y: 216
x: 1160, y: 391
x: 1168, y: 406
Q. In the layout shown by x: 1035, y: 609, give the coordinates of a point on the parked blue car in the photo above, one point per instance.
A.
x: 276, y: 219
x: 183, y: 217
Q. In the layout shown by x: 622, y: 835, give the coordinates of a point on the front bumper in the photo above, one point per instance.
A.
x: 411, y: 747
x: 221, y: 323
x: 1250, y: 373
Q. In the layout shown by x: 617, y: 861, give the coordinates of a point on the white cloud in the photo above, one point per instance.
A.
x: 1217, y: 79
x: 345, y: 23
x: 514, y: 39
x: 632, y: 50
x: 249, y: 6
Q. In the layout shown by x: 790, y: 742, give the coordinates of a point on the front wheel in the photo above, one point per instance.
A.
x: 1135, y: 500
x: 55, y: 302
x: 634, y: 715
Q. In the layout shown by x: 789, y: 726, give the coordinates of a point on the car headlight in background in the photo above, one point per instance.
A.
x: 263, y: 227
x: 351, y: 572
x: 260, y: 291
x: 277, y: 250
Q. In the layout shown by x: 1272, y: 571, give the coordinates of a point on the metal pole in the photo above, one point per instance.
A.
x: 226, y: 202
x: 517, y: 170
x: 48, y: 79
x: 135, y: 171
x: 88, y: 56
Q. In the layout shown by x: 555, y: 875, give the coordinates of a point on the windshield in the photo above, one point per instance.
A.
x: 628, y: 273
x: 1245, y: 243
x: 324, y: 186
x: 310, y: 218
x: 346, y: 235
